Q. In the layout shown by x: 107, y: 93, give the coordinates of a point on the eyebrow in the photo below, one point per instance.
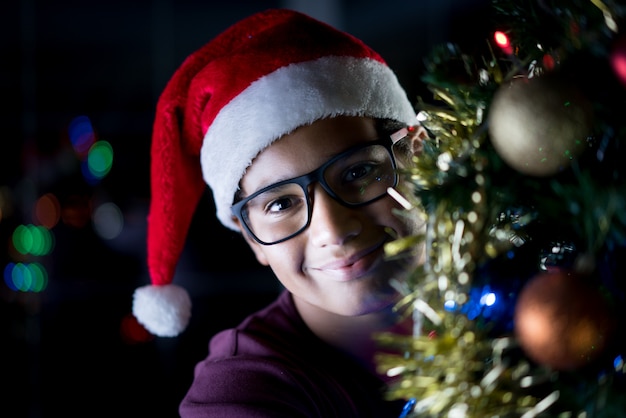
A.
x: 240, y: 195
x: 277, y: 187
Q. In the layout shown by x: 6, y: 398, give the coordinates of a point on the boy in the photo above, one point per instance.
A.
x: 289, y: 121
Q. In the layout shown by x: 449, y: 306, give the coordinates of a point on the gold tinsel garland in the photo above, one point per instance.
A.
x: 455, y: 367
x: 452, y: 366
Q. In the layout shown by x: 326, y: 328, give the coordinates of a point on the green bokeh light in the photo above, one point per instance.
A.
x: 100, y: 159
x: 32, y: 239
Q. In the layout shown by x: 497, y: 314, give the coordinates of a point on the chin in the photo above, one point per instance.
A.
x: 382, y: 300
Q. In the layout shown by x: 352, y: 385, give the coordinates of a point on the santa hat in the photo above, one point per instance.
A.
x: 259, y: 80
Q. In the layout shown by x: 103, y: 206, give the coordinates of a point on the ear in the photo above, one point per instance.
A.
x: 256, y: 248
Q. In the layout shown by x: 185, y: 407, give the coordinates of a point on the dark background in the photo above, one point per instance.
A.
x: 64, y: 350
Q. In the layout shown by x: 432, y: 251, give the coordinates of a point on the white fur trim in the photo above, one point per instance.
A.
x: 285, y: 99
x: 163, y: 310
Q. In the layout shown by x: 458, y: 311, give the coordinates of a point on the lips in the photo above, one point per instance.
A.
x: 354, y: 266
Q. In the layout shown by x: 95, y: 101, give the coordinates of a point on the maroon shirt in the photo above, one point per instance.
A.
x: 272, y: 365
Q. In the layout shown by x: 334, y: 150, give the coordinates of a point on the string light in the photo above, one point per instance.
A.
x: 502, y: 40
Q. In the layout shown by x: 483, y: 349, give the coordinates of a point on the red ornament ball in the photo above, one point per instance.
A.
x: 561, y: 321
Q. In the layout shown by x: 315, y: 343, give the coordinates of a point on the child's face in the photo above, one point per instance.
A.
x: 337, y: 263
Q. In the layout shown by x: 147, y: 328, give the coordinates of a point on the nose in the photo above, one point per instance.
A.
x: 331, y: 222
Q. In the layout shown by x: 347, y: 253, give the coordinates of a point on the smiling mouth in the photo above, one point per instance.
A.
x: 355, y: 266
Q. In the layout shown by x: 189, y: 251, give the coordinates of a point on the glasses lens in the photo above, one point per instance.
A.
x: 276, y: 213
x: 403, y: 152
x: 361, y: 176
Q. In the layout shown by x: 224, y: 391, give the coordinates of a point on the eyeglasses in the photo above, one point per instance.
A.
x: 356, y: 177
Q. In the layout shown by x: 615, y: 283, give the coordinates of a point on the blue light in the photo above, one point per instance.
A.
x: 408, y: 408
x: 81, y: 134
x: 8, y: 276
x: 488, y: 299
x: 449, y: 305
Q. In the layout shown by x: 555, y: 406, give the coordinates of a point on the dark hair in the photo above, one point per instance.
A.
x: 388, y: 126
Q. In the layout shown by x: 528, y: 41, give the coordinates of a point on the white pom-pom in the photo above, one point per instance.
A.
x: 163, y: 310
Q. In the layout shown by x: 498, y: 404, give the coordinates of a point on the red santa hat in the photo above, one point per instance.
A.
x: 259, y: 80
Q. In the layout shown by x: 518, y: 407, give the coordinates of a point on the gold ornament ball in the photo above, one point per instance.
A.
x: 538, y: 125
x: 561, y: 321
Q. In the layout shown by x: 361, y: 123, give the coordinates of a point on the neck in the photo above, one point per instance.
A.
x: 354, y: 335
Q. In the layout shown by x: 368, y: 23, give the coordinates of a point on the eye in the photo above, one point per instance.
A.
x: 281, y: 204
x: 286, y: 200
x: 360, y: 171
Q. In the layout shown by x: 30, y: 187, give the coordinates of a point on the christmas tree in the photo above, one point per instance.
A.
x: 520, y: 307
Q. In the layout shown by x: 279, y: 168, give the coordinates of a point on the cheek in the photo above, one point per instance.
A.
x: 415, y: 222
x: 407, y: 224
x: 393, y: 215
x: 284, y: 259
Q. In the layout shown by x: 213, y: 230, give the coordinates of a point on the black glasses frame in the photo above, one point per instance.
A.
x: 306, y: 180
